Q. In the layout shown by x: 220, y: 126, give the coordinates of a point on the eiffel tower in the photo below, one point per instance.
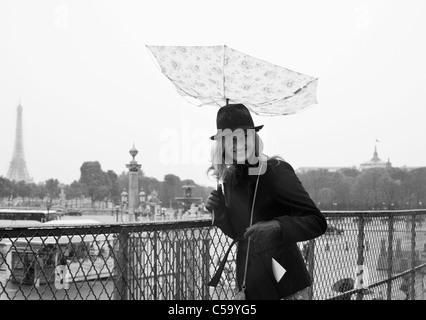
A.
x: 18, y: 168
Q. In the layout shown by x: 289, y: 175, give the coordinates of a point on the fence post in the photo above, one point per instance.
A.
x: 155, y: 269
x: 311, y: 266
x: 122, y: 261
x: 178, y: 266
x: 390, y: 255
x: 413, y: 255
x: 359, y: 281
x: 189, y: 267
x: 206, y: 264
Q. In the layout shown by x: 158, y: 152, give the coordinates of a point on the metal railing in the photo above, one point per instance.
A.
x: 363, y: 255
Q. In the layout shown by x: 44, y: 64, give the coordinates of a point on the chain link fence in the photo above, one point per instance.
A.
x: 363, y: 255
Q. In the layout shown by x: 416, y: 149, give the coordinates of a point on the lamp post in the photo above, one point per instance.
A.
x: 124, y: 196
x: 48, y: 204
x: 117, y: 208
x: 142, y: 199
x: 62, y: 196
x: 133, y: 183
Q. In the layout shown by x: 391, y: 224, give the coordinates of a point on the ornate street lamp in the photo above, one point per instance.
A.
x: 142, y: 196
x: 117, y: 208
x: 124, y: 195
x: 142, y: 200
x: 124, y: 199
x: 134, y: 168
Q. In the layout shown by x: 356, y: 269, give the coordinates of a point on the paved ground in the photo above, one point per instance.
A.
x: 88, y: 290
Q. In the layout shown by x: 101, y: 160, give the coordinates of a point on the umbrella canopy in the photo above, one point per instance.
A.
x: 218, y: 75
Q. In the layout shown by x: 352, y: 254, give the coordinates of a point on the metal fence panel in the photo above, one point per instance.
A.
x: 381, y: 254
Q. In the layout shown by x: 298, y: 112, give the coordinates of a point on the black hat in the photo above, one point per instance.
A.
x: 233, y: 116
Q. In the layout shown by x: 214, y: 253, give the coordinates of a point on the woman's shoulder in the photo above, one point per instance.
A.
x: 276, y: 164
x: 279, y: 171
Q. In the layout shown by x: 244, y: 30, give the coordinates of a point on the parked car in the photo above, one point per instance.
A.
x: 60, y: 212
x: 74, y: 212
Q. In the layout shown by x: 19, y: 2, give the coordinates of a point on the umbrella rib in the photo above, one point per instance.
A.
x: 223, y: 68
x: 288, y: 97
x: 300, y: 89
x: 273, y: 64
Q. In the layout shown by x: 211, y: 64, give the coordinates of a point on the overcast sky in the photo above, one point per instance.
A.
x: 90, y: 90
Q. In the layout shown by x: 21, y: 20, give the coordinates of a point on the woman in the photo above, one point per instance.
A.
x: 261, y: 204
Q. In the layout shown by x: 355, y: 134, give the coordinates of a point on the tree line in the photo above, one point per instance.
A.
x: 100, y: 185
x: 345, y: 189
x: 368, y: 189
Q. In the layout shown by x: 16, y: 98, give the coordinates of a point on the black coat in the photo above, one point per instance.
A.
x: 280, y: 196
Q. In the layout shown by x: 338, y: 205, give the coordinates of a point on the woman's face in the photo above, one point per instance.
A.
x: 239, y: 147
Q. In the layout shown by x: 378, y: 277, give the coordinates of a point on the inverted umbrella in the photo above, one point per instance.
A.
x: 218, y: 75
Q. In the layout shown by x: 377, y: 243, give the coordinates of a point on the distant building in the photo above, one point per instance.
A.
x: 375, y: 162
x: 330, y: 169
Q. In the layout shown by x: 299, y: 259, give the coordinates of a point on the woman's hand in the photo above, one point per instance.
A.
x: 263, y: 231
x: 215, y: 202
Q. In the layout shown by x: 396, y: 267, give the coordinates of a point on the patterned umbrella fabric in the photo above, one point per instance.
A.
x: 218, y: 75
